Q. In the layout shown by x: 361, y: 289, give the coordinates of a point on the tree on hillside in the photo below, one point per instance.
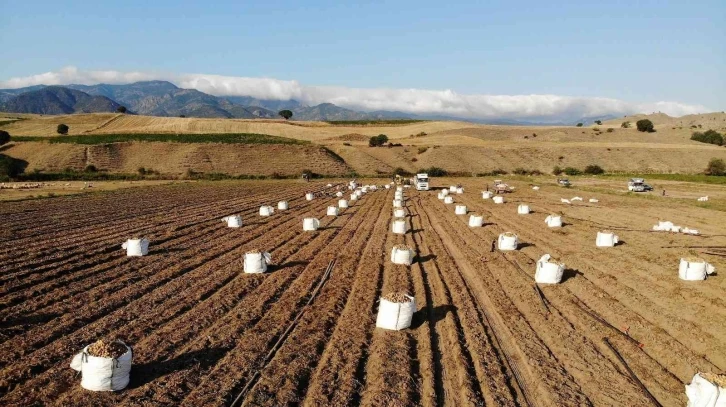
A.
x: 121, y: 109
x: 62, y: 129
x: 594, y: 170
x: 645, y: 125
x: 4, y: 137
x: 285, y: 113
x: 598, y: 122
x: 710, y: 136
x: 377, y: 141
x: 579, y: 124
x: 716, y: 167
x: 625, y: 125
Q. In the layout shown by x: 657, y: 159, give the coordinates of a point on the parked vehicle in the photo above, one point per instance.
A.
x: 422, y: 182
x: 564, y: 182
x: 638, y: 185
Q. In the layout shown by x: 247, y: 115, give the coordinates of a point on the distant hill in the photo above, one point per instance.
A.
x: 58, y: 100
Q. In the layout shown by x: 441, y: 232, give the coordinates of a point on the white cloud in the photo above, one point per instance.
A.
x: 416, y: 101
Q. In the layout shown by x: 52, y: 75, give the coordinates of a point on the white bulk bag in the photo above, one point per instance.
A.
x: 310, y: 224
x: 374, y: 188
x: 136, y: 247
x: 332, y: 211
x: 476, y: 221
x: 536, y: 188
x: 452, y: 189
x: 441, y: 195
x: 397, y: 203
x: 342, y: 203
x: 339, y: 194
x: 233, y: 221
x: 256, y: 262
x: 460, y: 210
x: 498, y: 199
x: 364, y: 189
x: 508, y: 241
x: 703, y: 393
x: 329, y: 185
x: 398, y: 196
x: 689, y: 231
x: 593, y: 200
x: 399, y: 226
x: 606, y: 239
x: 563, y: 200
x: 523, y: 209
x: 445, y: 191
x: 402, y: 255
x: 487, y: 194
x: 353, y: 197
x: 694, y: 269
x: 548, y: 272
x: 664, y: 226
x: 395, y: 315
x: 448, y: 199
x: 399, y: 213
x: 675, y: 229
x: 703, y: 199
x: 576, y: 198
x: 309, y: 196
x: 387, y: 186
x: 554, y: 221
x: 266, y: 210
x: 399, y: 188
x: 459, y: 190
x: 103, y: 374
x: 282, y: 205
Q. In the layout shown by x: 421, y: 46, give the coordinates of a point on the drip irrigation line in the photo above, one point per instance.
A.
x: 602, y: 320
x: 535, y: 286
x: 632, y: 374
x: 281, y: 340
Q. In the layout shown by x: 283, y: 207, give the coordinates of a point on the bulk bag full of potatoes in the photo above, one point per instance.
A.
x: 523, y: 209
x: 707, y: 390
x: 342, y: 203
x: 498, y: 199
x: 445, y: 191
x: 452, y: 188
x: 266, y: 210
x: 487, y: 194
x: 104, y: 365
x: 332, y: 211
x: 448, y: 199
x: 136, y: 247
x: 310, y: 224
x: 309, y: 196
x: 476, y: 221
x: 399, y: 213
x: 459, y: 190
x: 395, y: 311
x: 441, y: 195
x: 553, y: 221
x: 397, y: 203
x: 460, y: 210
x: 548, y: 271
x: 339, y: 194
x: 401, y: 254
x: 256, y: 262
x: 353, y: 196
x: 399, y: 226
x: 233, y: 221
x: 694, y: 269
x: 606, y: 239
x: 508, y: 241
x: 282, y: 206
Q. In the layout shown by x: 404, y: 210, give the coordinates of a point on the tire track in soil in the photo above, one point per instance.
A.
x: 254, y: 336
x: 625, y: 304
x: 12, y: 376
x: 485, y: 362
x: 285, y: 379
x: 209, y: 319
x: 538, y: 369
x: 599, y: 377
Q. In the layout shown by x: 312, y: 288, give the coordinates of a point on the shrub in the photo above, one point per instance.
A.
x: 10, y: 167
x: 141, y: 171
x: 709, y: 136
x: 610, y: 130
x: 434, y: 171
x: 595, y: 129
x: 716, y: 167
x: 534, y: 134
x: 572, y: 171
x: 594, y: 170
x: 562, y: 157
x: 121, y: 109
x: 422, y: 150
x: 598, y: 122
x: 625, y: 125
x: 346, y: 144
x: 414, y: 159
x: 400, y: 171
x: 4, y: 137
x: 499, y: 171
x: 645, y: 125
x: 579, y: 124
x: 91, y: 168
x: 377, y: 141
x: 556, y: 170
x: 62, y: 129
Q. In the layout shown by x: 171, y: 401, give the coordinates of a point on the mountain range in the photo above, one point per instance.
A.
x: 162, y: 98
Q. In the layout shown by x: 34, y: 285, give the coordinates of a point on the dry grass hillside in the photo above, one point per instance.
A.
x: 454, y: 146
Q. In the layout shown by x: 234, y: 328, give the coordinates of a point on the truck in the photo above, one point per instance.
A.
x: 638, y: 185
x: 422, y: 182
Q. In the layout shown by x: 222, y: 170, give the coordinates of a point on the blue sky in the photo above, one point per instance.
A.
x: 634, y: 51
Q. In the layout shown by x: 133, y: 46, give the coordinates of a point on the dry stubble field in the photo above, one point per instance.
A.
x: 202, y: 330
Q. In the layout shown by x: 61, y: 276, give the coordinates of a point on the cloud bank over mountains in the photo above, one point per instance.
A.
x: 415, y: 101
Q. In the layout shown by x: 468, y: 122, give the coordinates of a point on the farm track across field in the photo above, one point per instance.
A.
x: 202, y: 330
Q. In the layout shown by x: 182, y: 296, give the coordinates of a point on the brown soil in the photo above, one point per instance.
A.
x: 204, y: 333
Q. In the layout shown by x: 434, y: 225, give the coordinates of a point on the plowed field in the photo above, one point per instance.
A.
x: 206, y: 334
